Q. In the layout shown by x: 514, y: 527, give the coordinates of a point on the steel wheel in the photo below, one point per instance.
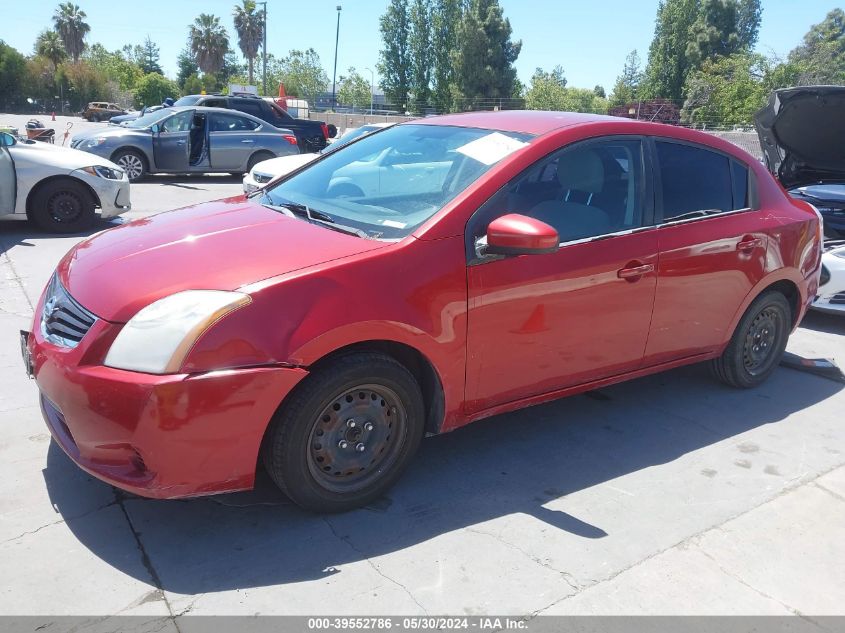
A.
x: 356, y: 437
x: 65, y: 206
x: 132, y: 164
x: 759, y: 348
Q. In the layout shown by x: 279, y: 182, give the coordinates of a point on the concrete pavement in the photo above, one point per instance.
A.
x: 667, y: 495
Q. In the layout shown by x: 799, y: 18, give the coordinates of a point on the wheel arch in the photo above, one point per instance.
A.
x: 51, y: 179
x: 414, y: 361
x: 788, y: 282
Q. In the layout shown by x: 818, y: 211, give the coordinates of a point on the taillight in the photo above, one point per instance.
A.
x: 290, y: 138
x: 325, y: 129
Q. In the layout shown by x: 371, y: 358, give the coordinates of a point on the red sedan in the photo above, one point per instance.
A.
x: 419, y: 279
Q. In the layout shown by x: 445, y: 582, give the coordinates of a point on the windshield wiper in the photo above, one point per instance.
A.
x: 316, y: 217
x: 693, y: 214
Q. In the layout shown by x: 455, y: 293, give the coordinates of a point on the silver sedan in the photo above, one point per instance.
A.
x: 189, y: 140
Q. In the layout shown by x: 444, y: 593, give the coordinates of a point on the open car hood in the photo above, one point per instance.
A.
x: 802, y: 133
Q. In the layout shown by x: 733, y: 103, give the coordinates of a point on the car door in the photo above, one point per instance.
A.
x: 8, y: 179
x: 232, y: 140
x: 712, y: 245
x: 538, y: 323
x: 171, y: 142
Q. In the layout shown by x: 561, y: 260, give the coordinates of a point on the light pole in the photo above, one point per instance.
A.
x: 264, y: 52
x: 372, y: 88
x: 334, y: 74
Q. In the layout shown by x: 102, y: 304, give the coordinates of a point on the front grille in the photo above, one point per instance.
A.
x: 838, y: 299
x: 262, y: 178
x: 63, y: 321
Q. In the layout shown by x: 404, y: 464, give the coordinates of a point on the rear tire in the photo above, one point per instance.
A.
x: 757, y: 344
x: 63, y: 206
x: 132, y: 162
x: 257, y: 158
x: 95, y: 118
x: 346, y: 433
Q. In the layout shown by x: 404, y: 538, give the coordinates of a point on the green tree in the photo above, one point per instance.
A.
x: 354, y: 89
x: 485, y: 54
x: 70, y: 23
x: 749, y: 15
x: 668, y: 66
x: 114, y: 66
x: 153, y: 88
x: 150, y: 57
x: 192, y: 85
x: 12, y: 77
x: 187, y: 66
x: 547, y: 90
x: 626, y: 88
x: 301, y: 72
x: 598, y: 90
x: 394, y: 64
x: 446, y: 19
x: 209, y: 42
x: 49, y: 45
x: 85, y: 82
x: 821, y: 55
x: 249, y: 25
x: 726, y: 91
x: 714, y: 32
x: 421, y: 53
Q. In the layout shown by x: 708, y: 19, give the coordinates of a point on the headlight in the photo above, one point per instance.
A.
x: 159, y: 337
x: 93, y: 142
x: 104, y: 172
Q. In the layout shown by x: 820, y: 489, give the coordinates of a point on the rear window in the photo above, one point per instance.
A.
x: 693, y: 179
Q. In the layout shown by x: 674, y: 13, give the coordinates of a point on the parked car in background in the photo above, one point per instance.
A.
x: 831, y: 296
x: 267, y: 170
x: 542, y: 254
x: 102, y: 111
x: 830, y: 201
x: 131, y: 116
x: 59, y: 189
x: 312, y: 136
x: 189, y: 140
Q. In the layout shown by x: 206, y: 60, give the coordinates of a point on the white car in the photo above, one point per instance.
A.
x: 57, y: 187
x: 268, y: 170
x: 831, y: 297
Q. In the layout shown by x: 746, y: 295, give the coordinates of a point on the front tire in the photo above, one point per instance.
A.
x: 63, y: 206
x: 757, y: 344
x: 257, y: 158
x: 346, y: 434
x: 132, y: 162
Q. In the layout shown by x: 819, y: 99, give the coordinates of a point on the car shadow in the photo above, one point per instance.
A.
x: 514, y: 463
x: 824, y: 322
x: 17, y: 231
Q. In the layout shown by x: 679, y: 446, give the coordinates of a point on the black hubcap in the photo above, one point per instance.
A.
x: 65, y: 207
x: 761, y: 341
x: 356, y: 438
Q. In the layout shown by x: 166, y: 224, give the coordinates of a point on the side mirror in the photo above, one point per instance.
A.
x: 7, y: 140
x: 515, y: 234
x: 154, y: 128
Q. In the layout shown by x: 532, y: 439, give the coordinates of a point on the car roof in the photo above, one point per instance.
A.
x: 521, y: 121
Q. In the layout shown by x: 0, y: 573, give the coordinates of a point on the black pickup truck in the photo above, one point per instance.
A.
x: 312, y: 136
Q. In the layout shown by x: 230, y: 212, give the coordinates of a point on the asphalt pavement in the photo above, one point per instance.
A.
x: 670, y: 494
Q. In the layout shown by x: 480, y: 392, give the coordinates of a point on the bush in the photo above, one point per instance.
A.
x: 153, y: 88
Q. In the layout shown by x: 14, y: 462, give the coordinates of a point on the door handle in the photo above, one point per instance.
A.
x: 247, y: 140
x: 749, y: 244
x: 634, y: 272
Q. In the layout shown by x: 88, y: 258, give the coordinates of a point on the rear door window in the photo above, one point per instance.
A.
x: 220, y: 122
x: 250, y: 107
x: 693, y: 179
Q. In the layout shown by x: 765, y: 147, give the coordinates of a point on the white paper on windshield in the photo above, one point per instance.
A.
x: 491, y: 148
x: 393, y: 224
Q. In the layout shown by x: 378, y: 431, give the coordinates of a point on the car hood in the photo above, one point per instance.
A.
x: 220, y: 245
x: 49, y: 155
x: 824, y: 194
x: 801, y: 132
x: 284, y: 164
x: 111, y: 131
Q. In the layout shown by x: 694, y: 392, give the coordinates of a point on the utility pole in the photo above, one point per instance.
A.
x: 334, y: 74
x: 264, y: 52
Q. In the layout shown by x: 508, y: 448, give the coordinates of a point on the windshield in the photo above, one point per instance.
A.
x: 389, y: 183
x: 149, y: 118
x: 187, y: 101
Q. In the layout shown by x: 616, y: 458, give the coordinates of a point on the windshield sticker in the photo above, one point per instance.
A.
x: 393, y: 224
x: 492, y: 148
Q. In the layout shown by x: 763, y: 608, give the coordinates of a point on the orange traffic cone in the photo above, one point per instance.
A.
x: 54, y: 115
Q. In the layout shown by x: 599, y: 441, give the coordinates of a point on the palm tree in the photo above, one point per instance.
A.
x: 209, y: 42
x: 250, y: 28
x: 49, y: 45
x: 70, y: 23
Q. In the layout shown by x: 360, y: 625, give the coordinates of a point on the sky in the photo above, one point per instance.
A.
x: 589, y: 39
